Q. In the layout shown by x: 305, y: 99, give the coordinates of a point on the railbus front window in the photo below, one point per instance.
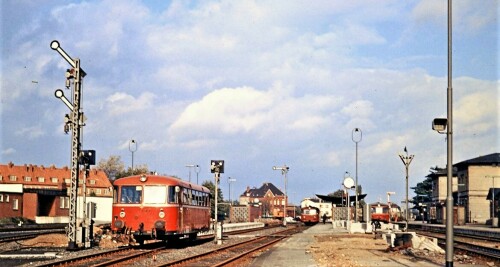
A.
x: 156, y: 194
x: 131, y: 194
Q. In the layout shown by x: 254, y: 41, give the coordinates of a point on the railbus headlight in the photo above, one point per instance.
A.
x: 161, y: 214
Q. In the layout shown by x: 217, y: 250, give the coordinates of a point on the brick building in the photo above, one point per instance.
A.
x: 269, y: 198
x: 42, y: 193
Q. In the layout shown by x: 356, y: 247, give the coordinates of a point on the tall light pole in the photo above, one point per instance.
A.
x: 284, y: 170
x: 193, y: 166
x: 406, y: 161
x: 229, y: 181
x: 197, y: 170
x: 132, y: 147
x: 356, y: 135
x: 439, y: 125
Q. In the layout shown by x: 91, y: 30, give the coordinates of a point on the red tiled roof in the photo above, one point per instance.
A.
x: 96, y: 178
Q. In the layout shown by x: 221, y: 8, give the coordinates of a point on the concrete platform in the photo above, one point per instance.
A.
x: 294, y: 252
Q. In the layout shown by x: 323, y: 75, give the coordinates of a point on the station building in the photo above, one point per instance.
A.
x: 269, y: 199
x: 42, y: 193
x: 476, y: 191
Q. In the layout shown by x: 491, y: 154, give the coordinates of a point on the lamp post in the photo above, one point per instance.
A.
x: 132, y: 147
x: 406, y: 161
x: 284, y: 170
x: 192, y: 166
x: 229, y: 181
x: 439, y: 125
x: 197, y: 170
x: 356, y: 139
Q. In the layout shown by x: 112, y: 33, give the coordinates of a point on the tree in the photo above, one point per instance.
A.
x: 111, y: 166
x: 140, y: 169
x: 211, y: 186
x: 115, y: 168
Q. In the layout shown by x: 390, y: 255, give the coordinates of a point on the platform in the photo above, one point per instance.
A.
x: 296, y: 251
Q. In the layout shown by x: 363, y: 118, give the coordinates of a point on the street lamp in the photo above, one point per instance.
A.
x: 284, y: 171
x: 440, y: 125
x: 356, y: 139
x: 406, y: 161
x: 193, y: 166
x: 132, y: 147
x: 229, y: 180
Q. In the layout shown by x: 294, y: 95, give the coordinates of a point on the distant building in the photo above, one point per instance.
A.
x: 270, y: 199
x: 42, y: 193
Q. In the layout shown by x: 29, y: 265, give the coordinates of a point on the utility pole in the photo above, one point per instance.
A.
x: 75, y: 122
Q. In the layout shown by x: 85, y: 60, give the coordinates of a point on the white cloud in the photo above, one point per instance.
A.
x: 31, y: 132
x: 8, y: 151
x: 122, y: 103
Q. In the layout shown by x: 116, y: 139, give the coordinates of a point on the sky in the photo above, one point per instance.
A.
x: 257, y: 84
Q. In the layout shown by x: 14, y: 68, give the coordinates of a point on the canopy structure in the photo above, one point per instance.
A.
x: 340, y: 200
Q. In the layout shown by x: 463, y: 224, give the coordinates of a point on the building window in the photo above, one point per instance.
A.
x: 12, y: 178
x: 27, y: 179
x: 106, y: 191
x: 7, y: 198
x: 54, y: 180
x: 67, y: 180
x: 98, y: 191
x: 79, y: 190
x: 1, y: 178
x: 64, y: 203
x: 41, y: 179
x: 1, y: 197
x: 15, y: 204
x: 92, y: 181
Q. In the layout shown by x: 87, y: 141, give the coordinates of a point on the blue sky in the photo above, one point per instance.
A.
x: 255, y: 83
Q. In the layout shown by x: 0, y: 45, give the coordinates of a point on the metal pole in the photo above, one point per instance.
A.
x: 217, y: 175
x: 406, y: 161
x: 356, y: 185
x: 449, y: 138
x: 132, y: 150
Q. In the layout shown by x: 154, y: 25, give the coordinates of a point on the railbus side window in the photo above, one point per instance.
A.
x: 115, y: 194
x: 172, y: 195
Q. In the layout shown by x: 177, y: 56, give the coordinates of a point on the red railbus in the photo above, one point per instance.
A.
x: 380, y: 212
x: 310, y: 215
x: 159, y: 207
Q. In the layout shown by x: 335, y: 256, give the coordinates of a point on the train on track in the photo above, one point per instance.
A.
x: 310, y: 215
x: 380, y: 212
x: 152, y: 207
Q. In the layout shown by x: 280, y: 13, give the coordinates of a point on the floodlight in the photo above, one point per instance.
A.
x: 439, y: 124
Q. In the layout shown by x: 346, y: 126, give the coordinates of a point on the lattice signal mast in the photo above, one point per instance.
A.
x: 75, y: 122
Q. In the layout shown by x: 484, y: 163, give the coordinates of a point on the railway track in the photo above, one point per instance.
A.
x: 137, y: 256
x: 231, y: 254
x: 476, y: 241
x: 12, y: 236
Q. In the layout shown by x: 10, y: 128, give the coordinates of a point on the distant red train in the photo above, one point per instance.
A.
x: 380, y: 212
x: 310, y: 215
x: 159, y: 207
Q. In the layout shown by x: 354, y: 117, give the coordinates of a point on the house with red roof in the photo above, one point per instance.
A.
x: 42, y: 193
